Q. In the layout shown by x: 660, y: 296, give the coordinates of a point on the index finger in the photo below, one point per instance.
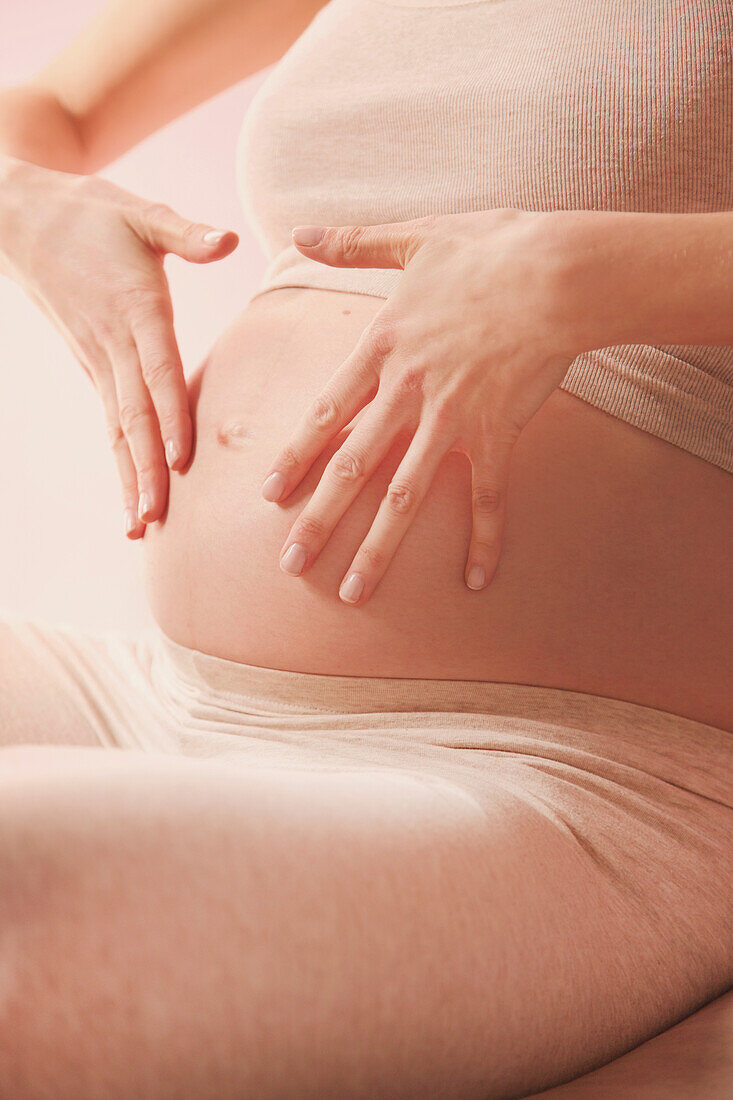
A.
x: 354, y: 383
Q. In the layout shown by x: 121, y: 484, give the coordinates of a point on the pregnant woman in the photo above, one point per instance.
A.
x: 426, y: 787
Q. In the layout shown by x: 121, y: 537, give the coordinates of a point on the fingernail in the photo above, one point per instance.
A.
x: 144, y: 505
x: 215, y: 235
x: 171, y: 452
x: 273, y: 487
x: 476, y: 577
x: 130, y: 520
x: 352, y: 588
x: 294, y: 559
x: 308, y: 235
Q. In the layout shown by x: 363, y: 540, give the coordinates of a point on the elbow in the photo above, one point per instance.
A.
x: 37, y: 127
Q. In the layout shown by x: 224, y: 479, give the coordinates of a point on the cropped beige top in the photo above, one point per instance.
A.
x: 386, y: 110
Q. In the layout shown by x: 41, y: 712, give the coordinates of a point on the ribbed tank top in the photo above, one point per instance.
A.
x: 386, y: 110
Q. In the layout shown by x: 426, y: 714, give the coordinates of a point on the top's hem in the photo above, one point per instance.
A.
x: 430, y: 3
x: 309, y: 286
x: 648, y: 386
x: 677, y: 402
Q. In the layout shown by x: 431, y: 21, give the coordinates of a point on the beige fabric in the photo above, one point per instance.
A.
x: 385, y: 110
x: 503, y: 886
x: 608, y: 768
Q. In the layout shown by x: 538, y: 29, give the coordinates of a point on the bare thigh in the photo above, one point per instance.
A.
x: 175, y: 927
x: 692, y: 1059
x: 39, y: 702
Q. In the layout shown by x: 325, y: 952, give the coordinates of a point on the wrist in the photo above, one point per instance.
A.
x: 24, y: 201
x: 595, y: 294
x: 14, y: 175
x: 646, y: 278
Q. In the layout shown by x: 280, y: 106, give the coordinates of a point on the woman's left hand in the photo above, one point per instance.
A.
x: 480, y: 331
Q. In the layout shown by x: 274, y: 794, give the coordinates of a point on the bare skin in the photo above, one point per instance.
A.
x: 176, y: 927
x: 648, y: 619
x: 465, y: 369
x: 604, y: 584
x: 694, y: 1058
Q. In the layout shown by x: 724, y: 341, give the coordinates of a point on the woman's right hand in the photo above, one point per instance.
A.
x: 91, y: 256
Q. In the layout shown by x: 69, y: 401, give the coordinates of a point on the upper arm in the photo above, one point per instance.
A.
x: 141, y: 63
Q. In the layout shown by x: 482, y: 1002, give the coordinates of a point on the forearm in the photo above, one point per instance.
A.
x: 35, y: 129
x: 638, y: 278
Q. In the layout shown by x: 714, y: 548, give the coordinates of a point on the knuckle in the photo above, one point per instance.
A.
x: 170, y: 421
x: 156, y: 369
x: 158, y: 211
x: 350, y: 240
x: 374, y: 557
x: 486, y: 499
x: 324, y: 412
x: 149, y: 471
x: 309, y: 528
x: 411, y: 382
x: 381, y: 337
x: 128, y: 480
x: 401, y: 498
x: 106, y: 327
x: 133, y: 416
x: 115, y: 435
x: 347, y: 466
x: 484, y: 549
x: 141, y: 303
x: 133, y: 296
x: 444, y: 415
x: 191, y: 231
x: 288, y: 461
x: 502, y: 435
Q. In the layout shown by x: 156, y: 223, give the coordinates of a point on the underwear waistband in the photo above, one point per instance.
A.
x: 283, y: 691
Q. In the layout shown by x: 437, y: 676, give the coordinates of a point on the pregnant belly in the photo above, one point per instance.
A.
x: 614, y: 577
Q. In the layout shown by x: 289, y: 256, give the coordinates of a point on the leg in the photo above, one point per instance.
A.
x: 692, y: 1059
x: 178, y: 927
x: 39, y: 701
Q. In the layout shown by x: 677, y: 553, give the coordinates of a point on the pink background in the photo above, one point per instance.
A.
x: 63, y: 554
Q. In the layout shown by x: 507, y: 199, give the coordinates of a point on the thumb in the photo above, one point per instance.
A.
x: 166, y: 231
x: 389, y: 245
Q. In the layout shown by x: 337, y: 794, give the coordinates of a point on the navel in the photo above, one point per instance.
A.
x: 234, y: 434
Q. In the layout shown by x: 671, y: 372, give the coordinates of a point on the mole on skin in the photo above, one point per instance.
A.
x: 234, y: 434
